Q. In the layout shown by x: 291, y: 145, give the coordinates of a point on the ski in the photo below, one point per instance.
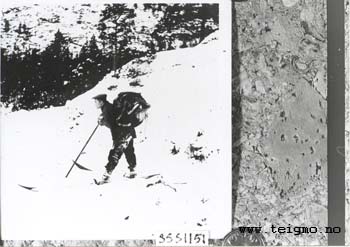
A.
x: 80, y: 166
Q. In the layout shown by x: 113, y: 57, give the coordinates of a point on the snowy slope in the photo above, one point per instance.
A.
x: 76, y: 21
x: 190, y: 108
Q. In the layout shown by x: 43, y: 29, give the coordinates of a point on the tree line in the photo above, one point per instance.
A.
x: 36, y: 79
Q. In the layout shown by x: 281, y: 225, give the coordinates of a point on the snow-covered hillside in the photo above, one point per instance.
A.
x: 183, y: 152
x: 76, y: 21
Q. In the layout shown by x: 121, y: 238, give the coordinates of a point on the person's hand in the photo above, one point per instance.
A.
x: 99, y: 120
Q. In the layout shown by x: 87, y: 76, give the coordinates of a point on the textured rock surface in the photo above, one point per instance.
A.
x: 283, y: 169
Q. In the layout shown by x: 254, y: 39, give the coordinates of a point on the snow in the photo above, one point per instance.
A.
x: 76, y: 21
x: 44, y: 20
x: 189, y: 91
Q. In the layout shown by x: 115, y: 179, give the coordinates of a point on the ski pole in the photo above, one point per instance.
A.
x: 75, y: 162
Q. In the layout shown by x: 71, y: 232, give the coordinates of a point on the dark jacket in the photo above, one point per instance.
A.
x: 118, y: 129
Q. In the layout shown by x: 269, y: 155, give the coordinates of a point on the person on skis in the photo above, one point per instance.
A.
x: 123, y: 135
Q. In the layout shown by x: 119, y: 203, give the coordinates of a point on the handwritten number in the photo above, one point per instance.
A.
x: 161, y: 236
x: 178, y: 238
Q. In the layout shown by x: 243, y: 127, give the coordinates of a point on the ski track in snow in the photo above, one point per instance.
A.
x: 186, y: 99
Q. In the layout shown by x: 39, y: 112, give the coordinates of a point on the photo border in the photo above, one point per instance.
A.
x: 336, y: 119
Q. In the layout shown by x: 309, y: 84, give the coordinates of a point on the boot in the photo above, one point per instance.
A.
x: 131, y: 174
x: 105, y: 179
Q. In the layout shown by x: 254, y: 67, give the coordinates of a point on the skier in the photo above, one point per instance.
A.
x: 123, y: 135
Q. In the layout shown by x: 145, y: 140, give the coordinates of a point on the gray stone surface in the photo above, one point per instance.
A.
x: 282, y: 81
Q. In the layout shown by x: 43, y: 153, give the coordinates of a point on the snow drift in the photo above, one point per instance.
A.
x: 183, y: 156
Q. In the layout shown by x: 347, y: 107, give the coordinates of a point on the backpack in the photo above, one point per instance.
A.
x: 130, y: 109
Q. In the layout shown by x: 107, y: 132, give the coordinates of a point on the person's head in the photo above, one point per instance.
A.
x: 100, y: 100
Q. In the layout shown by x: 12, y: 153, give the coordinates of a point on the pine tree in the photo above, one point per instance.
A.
x: 59, y: 47
x: 117, y: 31
x: 26, y: 32
x: 5, y: 85
x: 116, y: 24
x: 209, y: 16
x: 184, y: 22
x: 90, y: 67
x: 6, y: 26
x: 56, y: 65
x: 19, y: 30
x: 90, y: 50
x: 89, y: 59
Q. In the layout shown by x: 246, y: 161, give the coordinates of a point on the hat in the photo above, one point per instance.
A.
x: 102, y: 97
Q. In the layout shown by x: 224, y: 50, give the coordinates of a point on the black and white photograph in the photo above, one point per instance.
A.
x: 115, y: 120
x: 136, y: 123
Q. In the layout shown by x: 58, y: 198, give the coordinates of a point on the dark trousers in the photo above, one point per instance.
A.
x: 120, y: 147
